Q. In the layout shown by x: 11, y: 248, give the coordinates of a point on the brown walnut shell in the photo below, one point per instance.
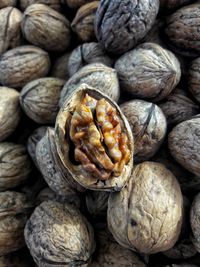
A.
x: 148, y: 125
x: 148, y: 71
x: 59, y: 68
x: 63, y: 145
x: 122, y: 24
x: 23, y: 64
x: 6, y: 3
x: 54, y: 36
x: 194, y: 78
x: 95, y: 75
x: 39, y: 99
x: 10, y: 30
x: 147, y: 214
x: 10, y: 113
x: 15, y: 210
x: 184, y: 144
x: 55, y: 4
x: 62, y: 232
x: 45, y: 195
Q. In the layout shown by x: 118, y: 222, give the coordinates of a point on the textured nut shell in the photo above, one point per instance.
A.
x: 58, y: 234
x: 148, y: 125
x: 121, y: 24
x: 83, y: 23
x: 9, y: 111
x: 59, y: 68
x: 86, y: 54
x: 195, y: 221
x: 148, y: 71
x: 39, y: 99
x: 5, y: 3
x: 14, y: 212
x: 178, y: 107
x: 52, y: 168
x: 194, y: 78
x: 184, y: 144
x: 76, y: 3
x: 62, y: 144
x: 95, y: 75
x: 97, y: 203
x: 54, y: 36
x: 55, y: 4
x: 14, y: 165
x: 182, y: 29
x: 23, y: 64
x: 10, y: 31
x: 147, y: 214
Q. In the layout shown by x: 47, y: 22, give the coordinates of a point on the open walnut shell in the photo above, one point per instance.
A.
x: 90, y: 133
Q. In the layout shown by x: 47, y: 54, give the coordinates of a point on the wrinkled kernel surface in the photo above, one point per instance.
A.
x: 100, y: 144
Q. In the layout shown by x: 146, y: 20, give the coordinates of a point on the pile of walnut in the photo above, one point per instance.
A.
x: 99, y: 133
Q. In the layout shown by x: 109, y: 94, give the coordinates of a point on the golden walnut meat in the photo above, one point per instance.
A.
x: 54, y: 36
x: 148, y: 125
x: 55, y: 4
x: 182, y: 30
x: 9, y: 111
x: 184, y: 144
x: 6, y: 3
x: 15, y: 209
x: 23, y: 64
x: 194, y: 78
x: 94, y: 140
x: 15, y: 165
x: 148, y: 71
x: 147, y: 214
x: 10, y: 30
x: 59, y: 235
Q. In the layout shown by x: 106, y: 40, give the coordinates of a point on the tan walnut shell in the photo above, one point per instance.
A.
x: 10, y: 29
x: 23, y: 64
x: 10, y: 113
x: 62, y: 232
x: 55, y: 4
x: 147, y: 214
x: 15, y: 209
x: 54, y: 36
x: 6, y: 3
x: 63, y: 146
x: 194, y: 78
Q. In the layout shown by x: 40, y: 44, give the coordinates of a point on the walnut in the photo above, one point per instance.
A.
x: 148, y: 71
x: 15, y: 209
x: 194, y: 78
x: 147, y: 214
x: 15, y: 165
x: 95, y: 75
x: 6, y: 3
x: 39, y: 99
x: 62, y: 232
x: 54, y: 36
x: 23, y: 64
x: 122, y: 24
x: 10, y: 113
x: 85, y: 54
x: 10, y: 31
x: 45, y: 195
x: 55, y: 4
x: 59, y: 68
x: 195, y: 221
x: 184, y: 144
x: 148, y: 125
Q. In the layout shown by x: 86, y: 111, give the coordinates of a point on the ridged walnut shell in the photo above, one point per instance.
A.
x: 55, y: 4
x: 194, y: 78
x: 59, y: 235
x: 63, y: 144
x: 10, y: 30
x: 147, y: 214
x: 54, y: 36
x: 23, y: 64
x: 15, y: 209
x: 6, y: 3
x: 95, y: 75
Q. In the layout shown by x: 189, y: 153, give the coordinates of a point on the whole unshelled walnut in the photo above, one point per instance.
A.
x: 121, y: 24
x: 39, y: 99
x: 23, y: 64
x: 54, y: 36
x: 55, y: 4
x: 10, y: 30
x: 148, y: 125
x: 184, y: 144
x: 15, y: 165
x: 148, y: 71
x: 10, y: 113
x: 62, y: 232
x: 6, y: 3
x: 83, y: 23
x: 59, y: 68
x: 147, y: 214
x: 85, y: 54
x: 15, y: 209
x: 194, y: 78
x: 182, y: 30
